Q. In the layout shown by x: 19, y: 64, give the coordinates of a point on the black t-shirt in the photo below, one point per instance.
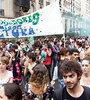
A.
x: 66, y: 96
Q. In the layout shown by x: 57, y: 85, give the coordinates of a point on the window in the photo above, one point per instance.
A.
x: 41, y: 1
x: 32, y: 8
x: 73, y: 24
x: 47, y: 3
x: 65, y: 25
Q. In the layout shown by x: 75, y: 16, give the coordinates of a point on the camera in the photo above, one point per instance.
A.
x: 50, y: 89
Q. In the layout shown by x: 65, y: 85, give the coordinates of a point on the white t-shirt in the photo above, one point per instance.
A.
x: 5, y: 80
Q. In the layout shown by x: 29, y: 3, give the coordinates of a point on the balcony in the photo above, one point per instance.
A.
x: 1, y: 12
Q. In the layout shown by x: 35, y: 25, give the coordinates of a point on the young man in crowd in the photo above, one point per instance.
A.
x: 75, y: 55
x: 71, y: 73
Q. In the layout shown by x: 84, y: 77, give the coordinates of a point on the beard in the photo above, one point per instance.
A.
x: 72, y: 85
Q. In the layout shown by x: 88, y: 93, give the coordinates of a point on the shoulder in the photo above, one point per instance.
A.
x: 58, y: 94
x: 87, y: 91
x: 10, y: 74
x: 86, y: 88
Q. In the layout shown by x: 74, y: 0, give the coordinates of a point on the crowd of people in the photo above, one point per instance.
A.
x: 30, y: 70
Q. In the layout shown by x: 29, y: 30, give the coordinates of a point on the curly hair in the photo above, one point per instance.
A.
x: 69, y: 66
x: 39, y: 77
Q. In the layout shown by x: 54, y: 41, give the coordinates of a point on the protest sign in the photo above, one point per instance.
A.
x: 46, y: 21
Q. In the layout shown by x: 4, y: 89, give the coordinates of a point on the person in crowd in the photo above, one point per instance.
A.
x: 68, y: 44
x: 87, y: 47
x: 81, y: 50
x: 4, y: 45
x: 38, y: 55
x: 22, y: 57
x: 55, y: 51
x: 1, y: 52
x: 87, y: 54
x: 30, y: 62
x: 85, y: 79
x: 10, y: 91
x: 80, y: 46
x: 29, y: 65
x: 22, y: 63
x: 51, y: 46
x: 7, y: 54
x: 43, y: 56
x: 5, y: 75
x: 17, y: 52
x: 74, y: 55
x: 15, y: 67
x: 37, y: 44
x: 62, y: 56
x: 18, y: 45
x: 47, y: 61
x: 9, y: 45
x: 75, y: 43
x: 39, y: 83
x: 71, y: 72
x: 82, y: 53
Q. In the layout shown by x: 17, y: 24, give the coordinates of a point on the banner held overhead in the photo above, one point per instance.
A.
x: 46, y: 21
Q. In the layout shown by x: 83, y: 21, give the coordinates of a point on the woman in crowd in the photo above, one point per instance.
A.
x: 7, y: 54
x: 1, y: 52
x: 22, y: 62
x: 29, y: 65
x: 14, y: 66
x: 38, y: 55
x: 10, y: 91
x: 5, y: 75
x: 63, y: 55
x: 47, y: 61
x: 22, y: 58
x: 85, y: 79
x: 39, y: 83
x: 87, y: 53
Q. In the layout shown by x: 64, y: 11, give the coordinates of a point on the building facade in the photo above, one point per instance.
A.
x: 76, y: 16
x: 85, y: 11
x: 7, y: 8
x: 74, y: 12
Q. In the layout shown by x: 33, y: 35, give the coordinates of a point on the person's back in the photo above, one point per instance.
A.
x: 39, y: 83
